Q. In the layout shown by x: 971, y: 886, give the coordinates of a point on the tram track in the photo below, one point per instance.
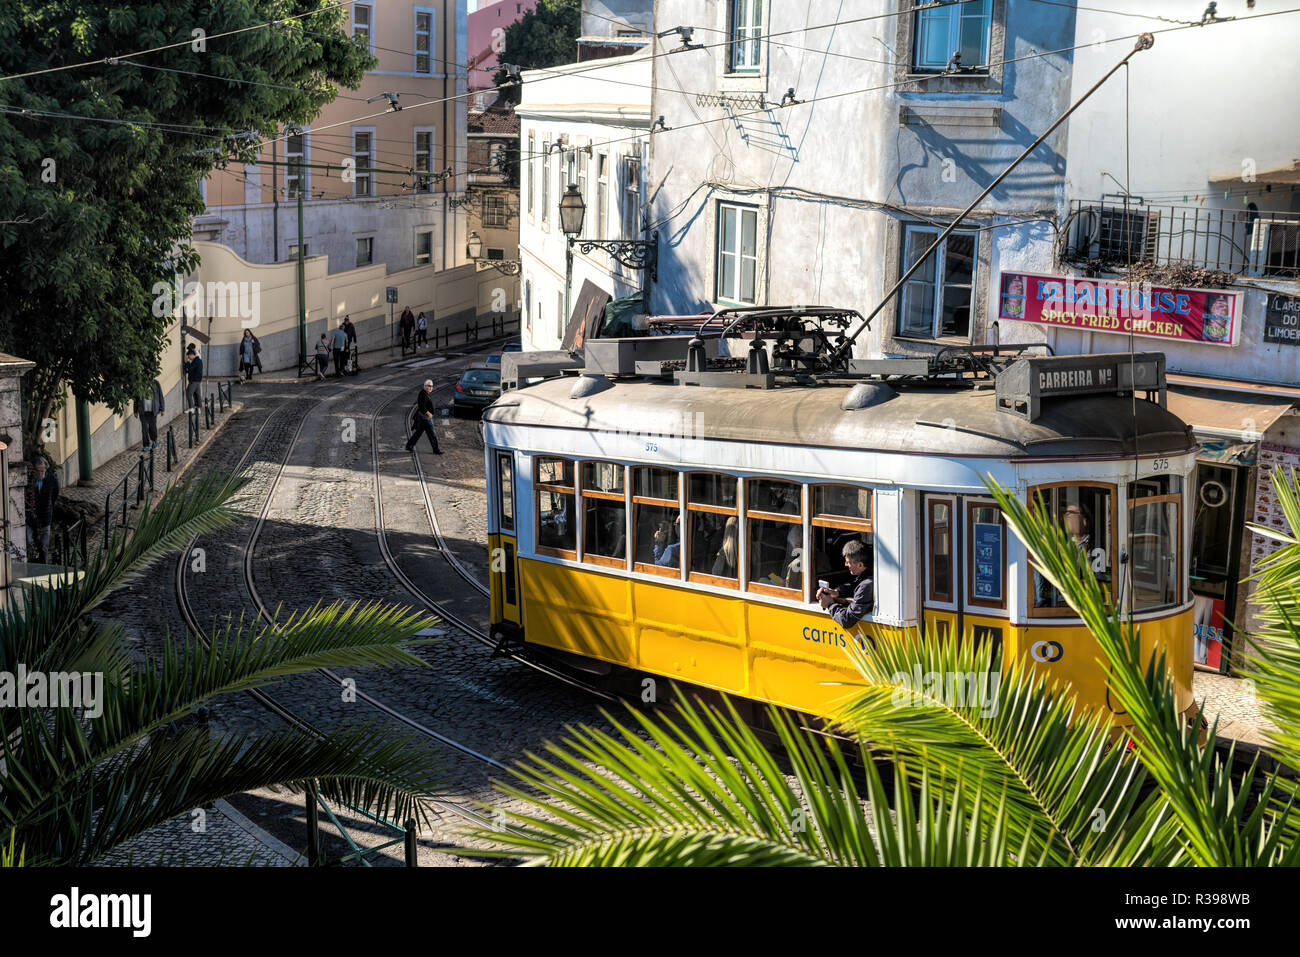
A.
x: 268, y: 701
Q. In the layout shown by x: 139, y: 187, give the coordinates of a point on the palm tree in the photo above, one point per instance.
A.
x: 75, y: 784
x: 1032, y: 779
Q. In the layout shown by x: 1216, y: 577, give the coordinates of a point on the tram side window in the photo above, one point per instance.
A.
x: 505, y: 491
x: 713, y: 546
x: 554, y: 489
x: 604, y: 511
x: 841, y: 514
x: 1085, y: 512
x: 775, y: 522
x: 657, y: 517
x: 1153, y: 525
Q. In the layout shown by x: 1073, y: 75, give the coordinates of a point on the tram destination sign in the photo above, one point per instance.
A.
x: 1282, y: 320
x: 1205, y: 316
x: 1023, y: 384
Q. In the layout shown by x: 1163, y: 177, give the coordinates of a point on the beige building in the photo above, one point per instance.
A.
x: 401, y: 216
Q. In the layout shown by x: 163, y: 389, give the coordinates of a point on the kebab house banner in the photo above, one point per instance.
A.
x: 1209, y: 316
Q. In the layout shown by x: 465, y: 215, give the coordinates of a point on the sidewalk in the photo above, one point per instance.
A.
x: 1235, y: 703
x: 375, y: 358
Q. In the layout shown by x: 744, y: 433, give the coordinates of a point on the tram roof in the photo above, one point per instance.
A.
x: 915, y: 419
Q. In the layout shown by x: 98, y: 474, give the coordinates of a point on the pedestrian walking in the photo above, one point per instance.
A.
x: 421, y: 332
x: 247, y: 355
x: 194, y: 375
x: 407, y: 325
x: 257, y: 351
x: 44, y: 494
x: 422, y: 420
x: 322, y: 357
x: 147, y: 410
x: 354, y: 353
x: 340, y: 349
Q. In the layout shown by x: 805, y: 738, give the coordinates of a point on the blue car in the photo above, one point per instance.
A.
x: 514, y: 345
x: 493, y: 360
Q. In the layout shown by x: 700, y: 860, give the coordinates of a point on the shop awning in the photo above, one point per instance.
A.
x: 1229, y: 425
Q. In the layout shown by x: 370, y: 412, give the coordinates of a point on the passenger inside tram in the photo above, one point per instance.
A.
x: 1076, y: 515
x: 724, y: 562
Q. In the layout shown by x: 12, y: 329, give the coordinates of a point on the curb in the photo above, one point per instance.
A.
x: 256, y: 832
x: 198, y: 449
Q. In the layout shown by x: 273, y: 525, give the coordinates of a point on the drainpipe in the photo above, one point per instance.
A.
x: 84, y: 468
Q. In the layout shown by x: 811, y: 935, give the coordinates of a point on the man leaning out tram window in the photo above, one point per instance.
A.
x: 847, y: 612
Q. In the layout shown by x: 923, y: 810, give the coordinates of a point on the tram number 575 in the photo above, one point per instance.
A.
x: 1160, y: 465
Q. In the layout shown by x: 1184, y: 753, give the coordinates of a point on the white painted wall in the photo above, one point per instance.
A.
x: 609, y: 109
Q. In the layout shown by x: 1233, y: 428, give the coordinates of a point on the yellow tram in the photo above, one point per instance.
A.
x: 672, y: 508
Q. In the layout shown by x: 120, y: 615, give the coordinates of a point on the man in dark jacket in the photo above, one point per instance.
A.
x: 847, y: 612
x: 44, y: 493
x: 354, y: 354
x: 194, y: 375
x: 407, y: 325
x: 422, y: 421
x: 147, y: 411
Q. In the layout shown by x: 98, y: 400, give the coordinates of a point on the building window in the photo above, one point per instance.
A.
x: 362, y: 26
x: 293, y: 250
x: 745, y: 36
x: 494, y: 210
x: 423, y: 248
x: 553, y: 486
x: 656, y: 516
x: 546, y: 181
x: 631, y: 197
x: 361, y: 148
x: 774, y: 521
x: 424, y: 162
x: 532, y: 173
x: 937, y: 300
x: 365, y: 251
x: 582, y: 186
x: 296, y: 177
x: 1085, y: 512
x: 528, y: 303
x: 602, y: 186
x: 604, y: 514
x: 496, y: 252
x: 423, y: 41
x: 712, y: 529
x: 958, y: 28
x: 737, y: 263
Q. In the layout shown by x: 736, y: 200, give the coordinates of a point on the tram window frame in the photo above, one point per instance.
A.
x: 932, y: 592
x: 752, y: 515
x: 969, y: 538
x: 553, y: 488
x: 822, y: 518
x: 649, y: 501
x: 1065, y: 611
x: 1168, y: 491
x: 506, y: 491
x: 694, y: 508
x: 597, y: 494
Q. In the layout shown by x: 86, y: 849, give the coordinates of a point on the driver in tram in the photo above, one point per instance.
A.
x: 847, y: 612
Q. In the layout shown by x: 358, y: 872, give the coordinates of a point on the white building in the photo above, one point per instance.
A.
x: 585, y: 124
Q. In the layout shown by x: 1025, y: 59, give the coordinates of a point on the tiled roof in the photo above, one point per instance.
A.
x: 493, y: 122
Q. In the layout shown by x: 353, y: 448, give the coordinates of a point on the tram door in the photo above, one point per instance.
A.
x: 502, y: 551
x: 965, y: 577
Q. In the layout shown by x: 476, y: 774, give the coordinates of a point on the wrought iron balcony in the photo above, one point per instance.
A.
x: 1109, y: 234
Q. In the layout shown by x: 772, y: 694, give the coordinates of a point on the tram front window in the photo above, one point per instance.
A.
x: 1085, y: 512
x: 1153, y: 524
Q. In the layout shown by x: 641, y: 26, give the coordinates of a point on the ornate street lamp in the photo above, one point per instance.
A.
x: 632, y: 253
x: 474, y: 251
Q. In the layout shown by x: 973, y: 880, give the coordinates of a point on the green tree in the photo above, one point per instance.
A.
x: 100, y: 164
x: 542, y: 37
x: 75, y: 784
x: 1034, y: 780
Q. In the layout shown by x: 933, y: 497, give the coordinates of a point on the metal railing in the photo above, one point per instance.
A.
x: 192, y: 424
x: 173, y: 457
x: 71, y: 543
x: 498, y: 327
x: 1247, y: 242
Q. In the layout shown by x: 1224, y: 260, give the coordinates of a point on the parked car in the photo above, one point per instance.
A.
x: 514, y: 345
x: 479, y: 387
x: 493, y: 360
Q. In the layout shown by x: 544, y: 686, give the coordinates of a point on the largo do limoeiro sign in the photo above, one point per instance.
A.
x: 1206, y: 316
